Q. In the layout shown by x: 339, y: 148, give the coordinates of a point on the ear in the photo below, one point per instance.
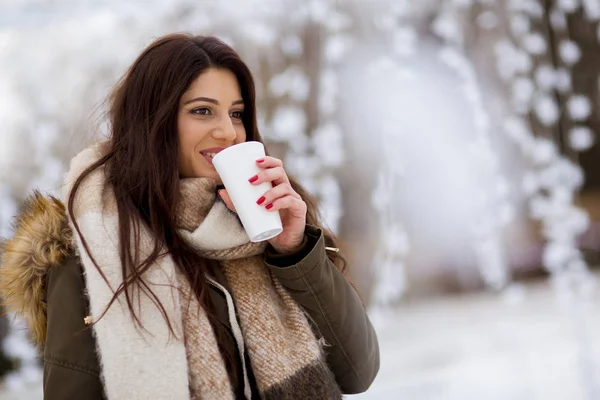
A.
x: 227, y: 200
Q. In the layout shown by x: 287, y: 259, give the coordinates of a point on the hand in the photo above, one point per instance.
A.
x: 280, y: 198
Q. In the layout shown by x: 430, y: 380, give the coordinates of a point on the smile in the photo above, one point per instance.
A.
x: 208, y: 154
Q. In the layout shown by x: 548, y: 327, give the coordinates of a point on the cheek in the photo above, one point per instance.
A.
x: 241, y: 135
x: 185, y: 136
x: 184, y: 131
x: 190, y: 132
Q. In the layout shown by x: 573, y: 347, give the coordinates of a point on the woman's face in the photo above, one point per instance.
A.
x: 209, y: 120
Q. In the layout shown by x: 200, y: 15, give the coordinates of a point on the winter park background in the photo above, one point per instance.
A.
x: 451, y: 143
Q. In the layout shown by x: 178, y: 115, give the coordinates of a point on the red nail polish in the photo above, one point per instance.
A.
x: 261, y: 200
x: 253, y: 179
x: 269, y: 206
x: 260, y: 161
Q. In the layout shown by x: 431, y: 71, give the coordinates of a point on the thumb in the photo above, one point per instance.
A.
x: 226, y: 199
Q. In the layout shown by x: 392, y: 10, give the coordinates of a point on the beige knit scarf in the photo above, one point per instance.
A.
x: 285, y: 356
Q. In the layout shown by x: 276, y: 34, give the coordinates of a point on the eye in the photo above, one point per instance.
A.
x: 237, y: 114
x: 201, y: 111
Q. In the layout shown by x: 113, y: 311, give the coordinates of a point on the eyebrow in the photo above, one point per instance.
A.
x: 209, y: 100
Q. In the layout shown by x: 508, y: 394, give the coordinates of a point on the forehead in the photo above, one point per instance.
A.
x: 216, y: 83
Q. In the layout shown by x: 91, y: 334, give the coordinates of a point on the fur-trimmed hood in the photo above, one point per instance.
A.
x: 42, y: 239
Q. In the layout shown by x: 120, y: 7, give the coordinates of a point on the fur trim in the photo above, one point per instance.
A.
x: 42, y: 240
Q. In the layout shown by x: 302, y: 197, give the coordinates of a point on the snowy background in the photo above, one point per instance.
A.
x: 451, y: 144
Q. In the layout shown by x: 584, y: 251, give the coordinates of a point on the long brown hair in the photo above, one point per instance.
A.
x: 141, y: 163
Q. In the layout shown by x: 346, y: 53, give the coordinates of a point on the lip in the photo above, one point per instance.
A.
x: 215, y: 150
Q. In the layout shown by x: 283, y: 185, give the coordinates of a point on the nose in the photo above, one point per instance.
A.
x: 225, y: 130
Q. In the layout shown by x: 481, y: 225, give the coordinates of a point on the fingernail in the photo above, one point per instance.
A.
x: 261, y: 200
x: 253, y: 179
x: 268, y: 207
x: 260, y: 161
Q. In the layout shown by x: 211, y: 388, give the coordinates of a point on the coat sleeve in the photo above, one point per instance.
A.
x: 71, y: 369
x: 336, y: 309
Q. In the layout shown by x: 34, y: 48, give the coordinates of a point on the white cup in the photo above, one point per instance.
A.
x: 235, y: 165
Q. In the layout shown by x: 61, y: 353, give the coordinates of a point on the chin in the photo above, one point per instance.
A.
x: 211, y: 175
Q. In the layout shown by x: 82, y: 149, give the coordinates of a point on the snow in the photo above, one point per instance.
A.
x: 535, y: 43
x: 287, y: 123
x: 447, y: 28
x: 592, y: 9
x: 293, y: 81
x: 336, y: 46
x: 519, y: 24
x: 487, y: 20
x: 453, y: 348
x: 545, y: 77
x: 558, y: 19
x: 531, y: 8
x: 438, y: 178
x: 8, y: 208
x: 328, y: 145
x: 546, y: 109
x: 522, y: 93
x: 463, y: 3
x: 544, y: 152
x: 330, y: 191
x: 581, y: 138
x: 490, y: 255
x: 579, y: 107
x: 563, y: 80
x: 568, y: 6
x: 569, y: 52
x: 291, y: 45
x: 561, y: 173
x: 556, y: 255
x: 518, y: 132
x: 318, y: 10
x: 511, y: 60
x: 391, y: 282
x: 404, y: 41
x: 17, y: 346
x: 338, y: 21
x: 329, y: 92
x: 258, y: 33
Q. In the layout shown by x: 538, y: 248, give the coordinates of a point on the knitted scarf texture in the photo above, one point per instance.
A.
x: 285, y: 356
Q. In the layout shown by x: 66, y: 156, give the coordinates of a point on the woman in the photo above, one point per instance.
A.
x: 145, y: 285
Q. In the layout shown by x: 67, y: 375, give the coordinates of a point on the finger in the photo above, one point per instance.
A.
x: 276, y: 175
x: 227, y: 200
x: 296, y: 207
x: 269, y: 162
x: 277, y: 192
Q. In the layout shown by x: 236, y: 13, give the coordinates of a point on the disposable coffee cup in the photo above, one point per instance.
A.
x: 235, y: 165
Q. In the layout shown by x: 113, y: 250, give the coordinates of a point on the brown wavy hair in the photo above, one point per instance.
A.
x: 141, y: 163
